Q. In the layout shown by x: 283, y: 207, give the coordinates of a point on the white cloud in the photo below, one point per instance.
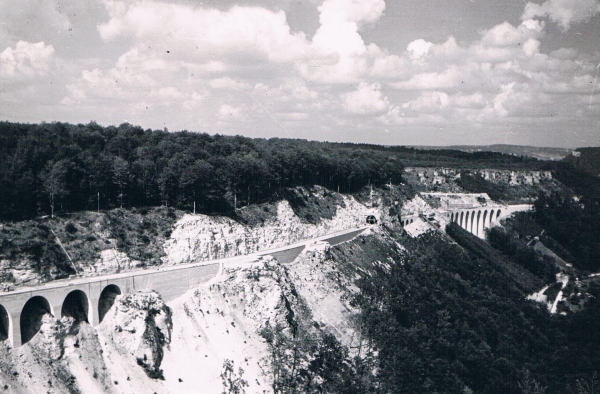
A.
x: 359, y: 11
x: 199, y: 33
x: 470, y: 101
x: 208, y: 69
x: 25, y: 61
x: 228, y: 113
x: 564, y: 53
x: 428, y: 102
x: 501, y: 98
x: 228, y: 83
x: 501, y: 75
x: 340, y: 21
x: 338, y: 53
x: 448, y: 78
x: 563, y: 12
x: 505, y: 34
x: 366, y: 100
x: 418, y: 48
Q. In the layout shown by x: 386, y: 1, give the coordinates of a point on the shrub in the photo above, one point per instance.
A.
x: 70, y: 228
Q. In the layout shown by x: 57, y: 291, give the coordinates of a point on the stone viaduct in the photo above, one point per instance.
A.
x: 477, y: 220
x: 474, y: 212
x: 89, y: 299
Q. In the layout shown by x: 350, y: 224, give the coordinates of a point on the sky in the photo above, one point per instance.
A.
x: 393, y: 72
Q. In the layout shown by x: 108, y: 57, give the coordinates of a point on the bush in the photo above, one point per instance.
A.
x: 70, y: 228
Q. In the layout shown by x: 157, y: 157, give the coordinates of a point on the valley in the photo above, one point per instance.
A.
x: 479, y: 276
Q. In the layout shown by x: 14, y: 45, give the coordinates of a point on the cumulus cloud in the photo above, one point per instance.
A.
x: 338, y: 53
x: 501, y: 75
x: 505, y: 34
x: 25, y: 61
x: 197, y: 52
x: 198, y: 33
x: 217, y: 68
x: 428, y: 102
x: 359, y: 11
x: 228, y: 113
x: 418, y: 48
x: 366, y: 100
x: 563, y: 12
x: 340, y: 21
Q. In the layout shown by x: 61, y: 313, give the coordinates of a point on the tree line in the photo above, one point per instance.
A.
x: 57, y: 167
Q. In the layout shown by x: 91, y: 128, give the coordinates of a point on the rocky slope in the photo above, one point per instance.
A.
x: 201, y: 238
x: 207, y: 335
x: 143, y: 345
x: 90, y: 243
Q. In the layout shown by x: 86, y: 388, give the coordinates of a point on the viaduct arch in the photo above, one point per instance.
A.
x: 77, y: 305
x: 106, y: 300
x: 89, y: 299
x: 5, y: 324
x: 32, y: 315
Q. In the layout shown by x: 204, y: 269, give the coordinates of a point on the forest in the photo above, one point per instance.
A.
x: 60, y: 167
x: 57, y: 167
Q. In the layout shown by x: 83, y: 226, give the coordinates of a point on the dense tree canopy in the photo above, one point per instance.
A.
x: 72, y: 167
x: 76, y: 167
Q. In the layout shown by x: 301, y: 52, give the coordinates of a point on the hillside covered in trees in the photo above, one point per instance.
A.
x: 75, y: 167
x: 51, y: 167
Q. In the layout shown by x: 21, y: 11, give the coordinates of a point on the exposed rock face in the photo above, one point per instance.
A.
x: 415, y: 207
x: 97, y: 243
x: 223, y: 320
x: 63, y: 357
x: 112, y: 260
x: 326, y: 287
x: 140, y: 325
x: 445, y: 178
x: 201, y: 237
x: 515, y: 178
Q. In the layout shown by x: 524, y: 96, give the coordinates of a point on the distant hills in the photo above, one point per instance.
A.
x: 518, y: 150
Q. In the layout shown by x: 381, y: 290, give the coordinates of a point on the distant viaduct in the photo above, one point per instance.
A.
x: 89, y: 299
x: 475, y: 220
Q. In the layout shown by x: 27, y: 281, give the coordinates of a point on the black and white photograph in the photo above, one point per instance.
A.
x: 300, y: 196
